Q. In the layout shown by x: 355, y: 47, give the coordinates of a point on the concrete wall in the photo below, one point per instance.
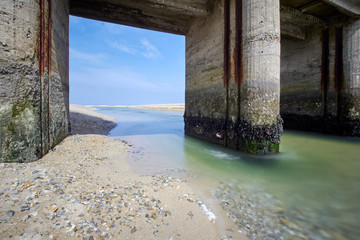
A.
x: 33, y: 78
x: 232, y: 76
x: 301, y: 69
x: 319, y: 79
x: 351, y: 87
x: 59, y: 126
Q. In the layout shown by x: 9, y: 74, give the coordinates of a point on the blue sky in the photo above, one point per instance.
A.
x: 113, y: 64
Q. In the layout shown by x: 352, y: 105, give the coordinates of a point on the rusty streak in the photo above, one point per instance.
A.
x: 239, y: 68
x: 49, y: 36
x: 41, y: 65
x: 226, y: 42
x: 338, y: 79
x: 325, y: 61
x: 49, y: 29
x: 238, y: 45
x: 226, y: 78
x: 325, y: 73
x: 42, y: 33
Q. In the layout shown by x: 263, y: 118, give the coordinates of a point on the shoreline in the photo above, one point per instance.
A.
x: 84, y: 120
x: 175, y: 107
x: 84, y: 188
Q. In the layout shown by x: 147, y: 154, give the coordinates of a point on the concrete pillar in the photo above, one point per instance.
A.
x: 205, y: 94
x: 319, y: 78
x: 260, y: 125
x: 350, y: 89
x: 233, y: 76
x: 305, y: 78
x: 33, y: 78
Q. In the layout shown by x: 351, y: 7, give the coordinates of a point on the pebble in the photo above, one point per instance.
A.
x: 74, y: 203
x: 10, y: 213
x: 260, y: 215
x: 26, y: 217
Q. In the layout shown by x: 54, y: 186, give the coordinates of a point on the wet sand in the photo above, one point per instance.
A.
x: 84, y: 120
x: 85, y: 189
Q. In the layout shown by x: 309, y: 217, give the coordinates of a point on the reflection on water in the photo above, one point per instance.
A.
x: 315, y: 179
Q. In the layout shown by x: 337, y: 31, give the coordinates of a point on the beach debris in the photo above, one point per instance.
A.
x: 210, y: 215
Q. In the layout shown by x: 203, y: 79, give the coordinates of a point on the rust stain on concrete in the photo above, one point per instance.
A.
x: 41, y: 39
x: 339, y: 66
x: 49, y: 35
x: 238, y: 56
x: 41, y: 63
x: 226, y: 42
x: 325, y: 61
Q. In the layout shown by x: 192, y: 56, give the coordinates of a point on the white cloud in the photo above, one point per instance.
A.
x: 145, y: 49
x: 120, y: 85
x: 123, y: 48
x: 150, y: 50
x: 120, y: 77
x: 111, y: 28
x: 89, y: 57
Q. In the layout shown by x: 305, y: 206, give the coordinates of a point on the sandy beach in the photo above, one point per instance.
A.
x: 84, y: 189
x: 84, y: 120
x: 177, y: 107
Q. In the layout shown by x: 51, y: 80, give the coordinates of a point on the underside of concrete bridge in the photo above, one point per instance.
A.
x: 252, y: 67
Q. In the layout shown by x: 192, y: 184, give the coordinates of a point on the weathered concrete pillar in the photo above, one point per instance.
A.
x: 205, y: 94
x: 319, y: 78
x: 233, y: 76
x: 350, y: 89
x: 261, y: 125
x: 33, y: 78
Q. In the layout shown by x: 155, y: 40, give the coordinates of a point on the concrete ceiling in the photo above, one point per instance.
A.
x: 325, y: 8
x: 297, y: 15
x: 175, y: 16
x: 172, y: 16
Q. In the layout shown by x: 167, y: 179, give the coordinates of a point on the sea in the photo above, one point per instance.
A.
x: 310, y: 190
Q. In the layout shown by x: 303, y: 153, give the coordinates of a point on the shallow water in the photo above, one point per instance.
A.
x: 315, y: 178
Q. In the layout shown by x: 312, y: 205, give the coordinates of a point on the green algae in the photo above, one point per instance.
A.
x: 264, y: 147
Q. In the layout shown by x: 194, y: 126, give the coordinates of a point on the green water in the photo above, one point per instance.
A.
x: 316, y: 177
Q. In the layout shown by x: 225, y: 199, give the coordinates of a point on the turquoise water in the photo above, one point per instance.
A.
x: 317, y: 175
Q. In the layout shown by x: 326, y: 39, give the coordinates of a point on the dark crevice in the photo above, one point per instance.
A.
x: 325, y: 74
x: 339, y: 73
x: 226, y: 76
x: 239, y: 75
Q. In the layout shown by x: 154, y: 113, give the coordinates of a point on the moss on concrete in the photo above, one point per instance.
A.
x: 240, y: 135
x: 20, y: 132
x: 20, y: 106
x: 264, y: 147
